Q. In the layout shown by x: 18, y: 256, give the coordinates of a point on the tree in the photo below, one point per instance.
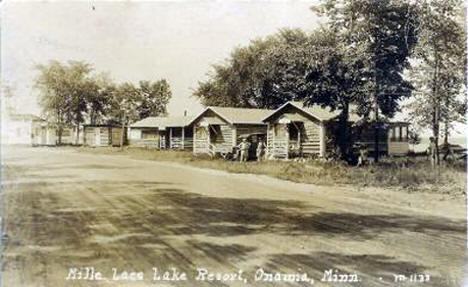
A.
x: 62, y: 92
x: 99, y: 93
x: 439, y: 71
x: 123, y: 107
x: 336, y: 79
x: 381, y: 34
x: 129, y: 103
x: 153, y: 98
x: 54, y: 93
x: 264, y: 74
x: 413, y: 138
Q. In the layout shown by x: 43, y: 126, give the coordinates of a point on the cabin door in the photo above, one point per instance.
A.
x: 97, y: 134
x: 43, y: 136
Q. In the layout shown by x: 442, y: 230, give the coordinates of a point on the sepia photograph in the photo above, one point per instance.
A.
x: 233, y: 143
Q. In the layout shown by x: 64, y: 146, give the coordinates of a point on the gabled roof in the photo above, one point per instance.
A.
x: 316, y: 111
x: 238, y: 115
x: 23, y: 117
x: 162, y: 122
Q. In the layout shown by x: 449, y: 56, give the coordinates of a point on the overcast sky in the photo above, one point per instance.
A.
x: 175, y: 40
x: 136, y: 41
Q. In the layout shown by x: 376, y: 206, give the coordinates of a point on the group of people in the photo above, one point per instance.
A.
x: 244, y: 147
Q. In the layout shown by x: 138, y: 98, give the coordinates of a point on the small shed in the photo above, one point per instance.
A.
x: 102, y: 135
x: 163, y: 133
x: 219, y: 129
x: 43, y: 133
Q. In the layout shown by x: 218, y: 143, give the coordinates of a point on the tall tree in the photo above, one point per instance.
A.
x: 100, y: 90
x: 381, y: 34
x: 62, y: 88
x: 154, y: 97
x: 336, y: 79
x: 438, y: 71
x: 54, y: 93
x: 130, y: 103
x: 123, y: 107
x: 263, y: 74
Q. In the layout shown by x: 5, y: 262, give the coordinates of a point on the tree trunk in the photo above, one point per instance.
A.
x: 376, y: 124
x: 436, y: 133
x: 343, y: 141
x: 77, y: 141
x: 446, y: 131
x: 436, y: 102
x: 59, y: 132
x: 122, y: 133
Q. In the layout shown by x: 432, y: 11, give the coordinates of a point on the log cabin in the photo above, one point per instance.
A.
x: 162, y: 133
x: 102, y: 135
x: 217, y: 130
x: 294, y: 130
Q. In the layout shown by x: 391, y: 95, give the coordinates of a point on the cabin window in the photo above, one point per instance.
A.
x: 293, y: 132
x: 280, y: 130
x: 149, y: 134
x: 176, y: 132
x: 200, y: 132
x: 393, y: 137
x: 215, y: 132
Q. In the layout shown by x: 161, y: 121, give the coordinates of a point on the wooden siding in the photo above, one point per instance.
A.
x: 223, y: 140
x: 311, y: 142
x: 102, y: 136
x: 398, y: 148
x: 144, y: 137
x: 200, y: 139
x: 302, y: 135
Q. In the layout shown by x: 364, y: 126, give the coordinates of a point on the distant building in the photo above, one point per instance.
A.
x: 43, y: 133
x: 102, y: 135
x: 18, y: 128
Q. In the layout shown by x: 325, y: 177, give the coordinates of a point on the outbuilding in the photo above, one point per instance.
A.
x: 102, y: 135
x: 43, y: 133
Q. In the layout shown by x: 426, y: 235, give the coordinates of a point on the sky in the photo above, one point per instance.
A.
x: 134, y: 41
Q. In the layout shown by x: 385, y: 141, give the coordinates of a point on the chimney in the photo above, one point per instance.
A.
x: 185, y: 113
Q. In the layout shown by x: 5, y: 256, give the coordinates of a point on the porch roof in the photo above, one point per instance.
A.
x: 315, y: 111
x: 162, y: 122
x: 237, y: 115
x: 212, y: 121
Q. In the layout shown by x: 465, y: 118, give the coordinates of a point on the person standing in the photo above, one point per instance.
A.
x: 244, y: 150
x: 260, y: 150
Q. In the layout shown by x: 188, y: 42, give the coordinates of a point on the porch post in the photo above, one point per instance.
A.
x: 194, y: 133
x: 287, y: 140
x: 322, y: 139
x: 183, y: 137
x: 234, y: 136
x: 170, y: 138
x: 208, y: 140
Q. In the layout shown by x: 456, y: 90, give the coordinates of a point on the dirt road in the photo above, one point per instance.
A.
x: 65, y: 210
